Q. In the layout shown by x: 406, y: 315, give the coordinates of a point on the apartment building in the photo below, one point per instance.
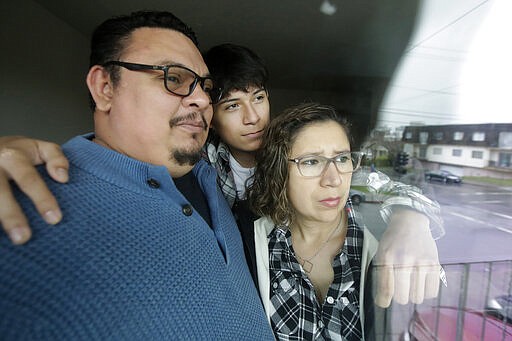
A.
x: 463, y: 149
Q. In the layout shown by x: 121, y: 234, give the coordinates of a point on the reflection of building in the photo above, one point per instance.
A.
x: 463, y: 149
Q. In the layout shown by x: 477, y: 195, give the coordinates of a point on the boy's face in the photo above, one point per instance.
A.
x: 240, y: 119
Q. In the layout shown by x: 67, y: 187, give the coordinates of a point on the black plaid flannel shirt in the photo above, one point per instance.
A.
x: 296, y: 313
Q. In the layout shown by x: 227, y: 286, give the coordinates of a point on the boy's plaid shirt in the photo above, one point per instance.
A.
x: 217, y: 154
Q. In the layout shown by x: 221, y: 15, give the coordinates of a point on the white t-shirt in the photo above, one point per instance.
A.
x: 240, y: 175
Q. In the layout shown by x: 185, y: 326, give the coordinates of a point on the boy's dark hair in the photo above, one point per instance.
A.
x: 235, y: 67
x: 110, y: 37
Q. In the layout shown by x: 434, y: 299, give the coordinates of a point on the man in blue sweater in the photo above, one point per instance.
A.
x: 148, y: 248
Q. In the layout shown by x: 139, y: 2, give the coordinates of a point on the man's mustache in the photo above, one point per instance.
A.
x: 195, y: 117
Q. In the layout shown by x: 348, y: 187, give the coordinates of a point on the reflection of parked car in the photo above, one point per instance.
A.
x: 440, y: 323
x: 443, y: 176
x: 501, y: 307
x: 356, y: 196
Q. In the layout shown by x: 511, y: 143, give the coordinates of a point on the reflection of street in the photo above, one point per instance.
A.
x: 477, y: 220
x: 478, y: 224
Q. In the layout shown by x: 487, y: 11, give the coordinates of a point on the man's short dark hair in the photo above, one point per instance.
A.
x: 235, y: 67
x: 110, y: 37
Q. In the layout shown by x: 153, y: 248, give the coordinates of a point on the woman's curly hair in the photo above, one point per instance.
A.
x: 268, y: 193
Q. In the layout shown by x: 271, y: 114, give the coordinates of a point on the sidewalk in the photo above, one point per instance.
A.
x: 479, y: 183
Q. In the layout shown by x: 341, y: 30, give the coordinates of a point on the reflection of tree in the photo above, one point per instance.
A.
x: 382, y: 146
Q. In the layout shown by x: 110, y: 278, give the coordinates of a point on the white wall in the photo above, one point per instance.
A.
x: 465, y: 159
x: 43, y: 63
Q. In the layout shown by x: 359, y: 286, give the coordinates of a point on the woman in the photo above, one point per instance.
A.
x: 312, y: 256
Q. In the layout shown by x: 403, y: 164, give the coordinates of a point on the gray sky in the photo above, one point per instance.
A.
x: 457, y: 68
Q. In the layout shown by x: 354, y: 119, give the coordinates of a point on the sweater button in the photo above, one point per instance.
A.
x: 187, y: 210
x: 153, y: 183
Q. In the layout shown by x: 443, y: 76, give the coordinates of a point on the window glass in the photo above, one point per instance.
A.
x: 458, y: 135
x: 423, y: 137
x: 452, y: 91
x: 505, y: 160
x: 478, y: 136
x: 442, y: 96
x: 505, y: 139
x: 423, y: 152
x: 477, y: 154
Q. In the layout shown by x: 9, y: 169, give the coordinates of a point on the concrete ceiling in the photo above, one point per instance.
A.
x: 305, y: 49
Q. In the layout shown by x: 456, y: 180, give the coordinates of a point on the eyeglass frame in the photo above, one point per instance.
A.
x: 297, y: 161
x: 165, y: 68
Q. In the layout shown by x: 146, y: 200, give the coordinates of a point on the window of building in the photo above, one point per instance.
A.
x: 478, y: 136
x: 423, y: 153
x: 477, y: 154
x: 505, y: 160
x: 438, y: 135
x: 408, y: 135
x: 437, y: 151
x: 458, y: 135
x: 505, y: 139
x: 423, y: 137
x: 457, y: 152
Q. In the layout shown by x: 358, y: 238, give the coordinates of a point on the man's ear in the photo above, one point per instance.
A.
x: 101, y: 87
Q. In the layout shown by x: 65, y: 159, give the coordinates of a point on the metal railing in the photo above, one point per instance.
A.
x: 476, y: 305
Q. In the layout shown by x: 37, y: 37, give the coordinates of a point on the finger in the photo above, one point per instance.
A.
x: 418, y: 276
x: 385, y: 285
x: 12, y: 219
x: 20, y: 169
x: 432, y: 282
x: 402, y: 284
x: 57, y: 164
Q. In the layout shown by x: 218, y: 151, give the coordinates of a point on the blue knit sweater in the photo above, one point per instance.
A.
x: 129, y: 261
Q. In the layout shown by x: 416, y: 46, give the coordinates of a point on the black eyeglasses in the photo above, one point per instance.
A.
x: 178, y: 79
x: 311, y: 166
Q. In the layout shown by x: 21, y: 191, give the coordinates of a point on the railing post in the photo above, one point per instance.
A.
x: 462, y: 301
x: 484, y: 320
